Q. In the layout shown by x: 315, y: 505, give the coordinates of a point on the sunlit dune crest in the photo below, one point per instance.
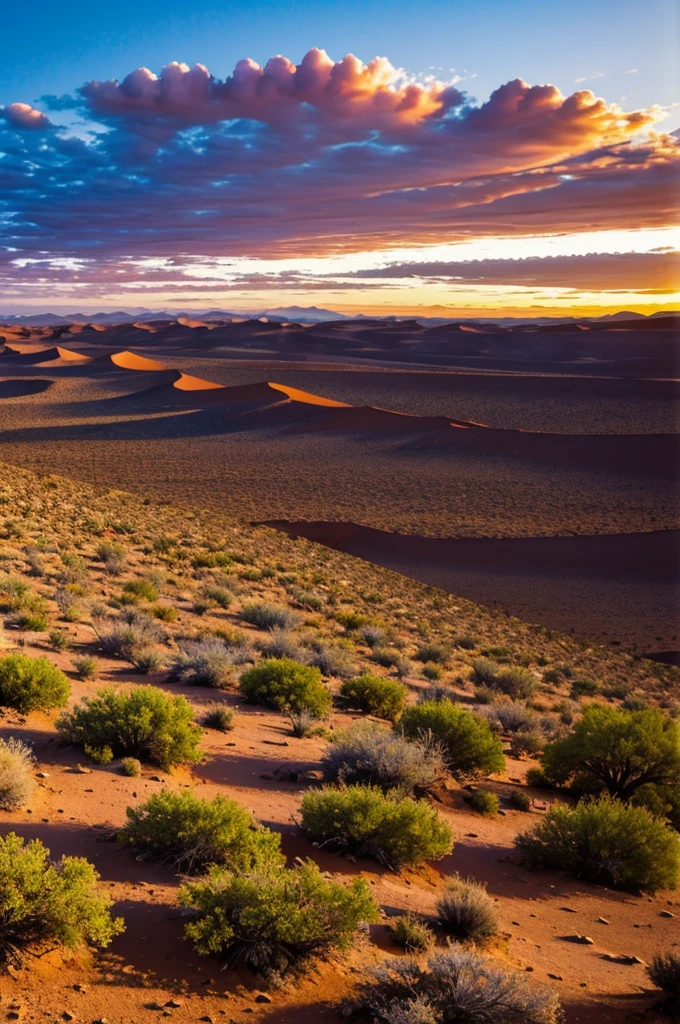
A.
x: 306, y: 397
x: 131, y: 361
x: 186, y: 382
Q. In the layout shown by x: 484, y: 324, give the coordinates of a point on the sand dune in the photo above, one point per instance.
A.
x: 54, y: 356
x: 126, y: 360
x: 21, y: 388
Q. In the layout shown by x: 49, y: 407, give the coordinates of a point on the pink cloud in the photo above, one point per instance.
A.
x: 21, y: 115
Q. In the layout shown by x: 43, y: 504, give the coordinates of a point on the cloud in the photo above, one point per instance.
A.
x: 314, y: 159
x: 21, y: 115
x: 628, y: 271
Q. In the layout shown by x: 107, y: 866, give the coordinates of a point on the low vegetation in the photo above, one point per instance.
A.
x: 144, y: 723
x: 607, y: 842
x: 367, y: 753
x: 411, y: 933
x: 190, y: 833
x: 43, y: 903
x: 275, y: 919
x: 16, y: 777
x: 364, y: 821
x: 466, y: 911
x: 664, y: 972
x: 470, y: 746
x: 455, y: 986
x: 384, y: 698
x: 286, y: 685
x: 32, y: 684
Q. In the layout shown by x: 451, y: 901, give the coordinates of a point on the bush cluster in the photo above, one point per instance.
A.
x: 607, y: 842
x: 272, y: 920
x: 42, y: 902
x: 286, y: 685
x: 369, y: 754
x: 384, y: 698
x: 466, y: 911
x: 514, y: 681
x: 145, y: 723
x: 16, y: 780
x: 206, y: 662
x: 362, y: 820
x: 191, y: 833
x: 32, y: 684
x: 469, y: 744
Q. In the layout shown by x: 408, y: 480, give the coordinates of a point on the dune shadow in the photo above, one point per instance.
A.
x: 22, y: 388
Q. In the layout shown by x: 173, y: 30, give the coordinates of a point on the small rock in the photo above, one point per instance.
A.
x: 582, y: 940
x: 67, y: 1015
x: 568, y: 910
x: 262, y: 997
x: 622, y: 958
x: 666, y: 913
x: 556, y: 977
x: 174, y: 1003
x: 43, y: 775
x: 602, y: 920
x: 81, y: 769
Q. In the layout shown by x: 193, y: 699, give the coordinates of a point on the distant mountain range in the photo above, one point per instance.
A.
x: 298, y: 314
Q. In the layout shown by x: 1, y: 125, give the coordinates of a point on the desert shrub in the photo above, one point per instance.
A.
x: 437, y: 692
x: 100, y: 755
x: 465, y: 642
x: 69, y: 602
x: 365, y: 753
x: 85, y: 666
x: 455, y: 987
x: 281, y: 643
x: 583, y: 688
x: 146, y: 659
x: 274, y: 919
x: 32, y: 614
x: 43, y: 903
x: 438, y: 653
x: 470, y: 746
x: 333, y: 660
x: 32, y: 684
x: 131, y: 766
x: 122, y: 637
x: 302, y: 723
x: 482, y: 801
x: 113, y: 555
x: 267, y: 616
x: 606, y: 842
x: 519, y: 800
x: 206, y: 662
x: 432, y: 671
x: 618, y: 750
x: 388, y: 657
x: 513, y: 715
x: 216, y: 595
x: 190, y: 833
x: 374, y: 636
x: 145, y: 723
x: 664, y: 972
x: 220, y: 718
x: 527, y: 742
x: 466, y: 911
x: 364, y: 821
x: 411, y: 933
x: 140, y: 590
x: 661, y: 801
x: 375, y: 695
x: 59, y: 640
x: 287, y: 686
x: 351, y: 620
x: 16, y: 780
x: 164, y: 612
x: 516, y: 682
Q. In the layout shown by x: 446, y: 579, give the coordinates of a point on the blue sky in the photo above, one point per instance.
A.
x: 534, y: 140
x: 54, y: 48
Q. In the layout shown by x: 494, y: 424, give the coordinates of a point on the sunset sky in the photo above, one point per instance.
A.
x: 433, y: 158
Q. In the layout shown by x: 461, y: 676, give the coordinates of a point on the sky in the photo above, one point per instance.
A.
x: 431, y: 158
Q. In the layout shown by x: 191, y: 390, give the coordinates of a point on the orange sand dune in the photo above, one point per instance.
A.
x: 304, y: 396
x: 126, y: 360
x: 54, y: 356
x: 185, y: 321
x: 185, y: 382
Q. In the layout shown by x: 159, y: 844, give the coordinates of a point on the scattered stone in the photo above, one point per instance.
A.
x: 313, y: 775
x: 174, y: 1003
x: 602, y: 920
x: 81, y: 769
x: 556, y: 977
x: 67, y: 1015
x: 582, y: 940
x: 43, y: 775
x: 262, y: 997
x: 666, y: 913
x: 622, y: 958
x: 568, y: 910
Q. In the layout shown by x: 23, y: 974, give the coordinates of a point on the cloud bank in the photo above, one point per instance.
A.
x: 315, y: 159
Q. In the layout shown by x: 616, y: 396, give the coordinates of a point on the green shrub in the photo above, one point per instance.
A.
x: 375, y: 695
x: 455, y: 987
x: 302, y: 723
x: 275, y: 919
x: 527, y: 743
x: 59, y: 640
x: 470, y: 746
x: 146, y: 659
x: 122, y: 637
x: 86, y: 666
x: 465, y: 642
x: 662, y: 801
x: 366, y: 753
x: 432, y: 671
x: 191, y: 833
x: 519, y: 800
x: 145, y: 723
x: 333, y: 660
x: 32, y: 684
x: 267, y: 616
x: 583, y: 688
x: 351, y: 620
x: 16, y: 779
x: 286, y: 685
x: 43, y: 903
x: 141, y: 590
x: 412, y: 934
x: 437, y: 653
x: 483, y: 802
x: 131, y: 766
x: 32, y: 621
x: 466, y: 911
x: 618, y: 750
x: 664, y: 972
x: 517, y: 683
x: 100, y: 755
x: 164, y: 612
x: 219, y: 718
x: 206, y: 662
x: 216, y: 595
x: 364, y: 821
x: 606, y: 842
